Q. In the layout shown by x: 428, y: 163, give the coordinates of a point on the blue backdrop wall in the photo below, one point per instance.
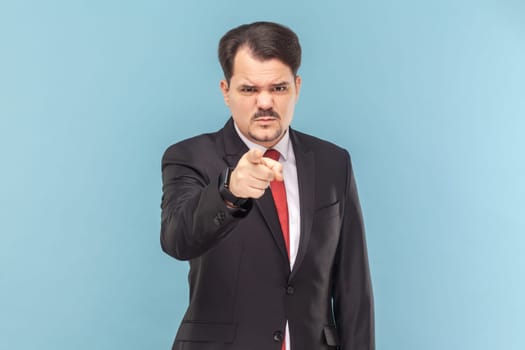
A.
x: 427, y: 96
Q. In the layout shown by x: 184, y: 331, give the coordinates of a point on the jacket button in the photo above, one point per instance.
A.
x: 278, y: 336
x: 219, y: 218
x: 290, y: 290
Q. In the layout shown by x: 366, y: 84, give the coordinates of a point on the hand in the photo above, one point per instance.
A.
x: 253, y: 174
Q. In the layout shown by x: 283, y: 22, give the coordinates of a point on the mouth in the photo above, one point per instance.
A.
x: 265, y: 122
x: 266, y: 116
x: 264, y: 119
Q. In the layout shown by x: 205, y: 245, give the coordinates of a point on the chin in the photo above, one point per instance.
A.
x: 273, y: 136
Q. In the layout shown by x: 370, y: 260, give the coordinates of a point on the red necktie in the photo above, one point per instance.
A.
x: 279, y: 198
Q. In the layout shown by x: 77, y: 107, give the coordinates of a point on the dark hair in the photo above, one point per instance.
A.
x: 266, y: 40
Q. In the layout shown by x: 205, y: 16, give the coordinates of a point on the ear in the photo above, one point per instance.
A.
x: 225, y: 89
x: 298, y: 82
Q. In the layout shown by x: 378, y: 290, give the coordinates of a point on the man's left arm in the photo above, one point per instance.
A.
x: 352, y: 292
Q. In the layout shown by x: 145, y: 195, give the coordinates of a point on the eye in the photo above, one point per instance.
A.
x: 280, y: 88
x: 248, y: 90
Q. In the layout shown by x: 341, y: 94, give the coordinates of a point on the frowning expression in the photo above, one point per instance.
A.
x: 261, y: 96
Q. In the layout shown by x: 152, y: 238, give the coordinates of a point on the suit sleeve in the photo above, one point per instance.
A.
x: 194, y: 216
x: 352, y: 290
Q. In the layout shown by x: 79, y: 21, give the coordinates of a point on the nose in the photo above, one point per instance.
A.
x: 264, y: 100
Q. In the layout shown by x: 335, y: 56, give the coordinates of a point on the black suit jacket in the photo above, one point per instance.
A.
x: 241, y: 288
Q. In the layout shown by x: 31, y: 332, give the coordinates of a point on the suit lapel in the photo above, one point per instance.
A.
x: 234, y: 149
x: 269, y: 212
x: 305, y: 163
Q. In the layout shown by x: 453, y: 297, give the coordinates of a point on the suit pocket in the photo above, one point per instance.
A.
x: 327, y: 211
x: 206, y: 332
x: 327, y: 220
x: 330, y: 336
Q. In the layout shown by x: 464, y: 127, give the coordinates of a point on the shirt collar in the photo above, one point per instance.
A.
x: 283, y: 146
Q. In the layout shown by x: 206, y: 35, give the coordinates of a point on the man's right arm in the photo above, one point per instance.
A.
x: 195, y: 217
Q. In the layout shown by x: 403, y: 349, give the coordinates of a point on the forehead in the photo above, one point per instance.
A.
x: 248, y: 69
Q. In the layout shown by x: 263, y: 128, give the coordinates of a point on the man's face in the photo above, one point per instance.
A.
x: 261, y: 96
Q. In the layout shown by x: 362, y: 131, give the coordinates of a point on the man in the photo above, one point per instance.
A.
x: 275, y: 239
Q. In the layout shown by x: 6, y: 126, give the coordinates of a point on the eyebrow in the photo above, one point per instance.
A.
x: 247, y: 86
x: 282, y: 83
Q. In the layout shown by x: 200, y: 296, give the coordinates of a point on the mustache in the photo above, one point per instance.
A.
x: 266, y: 113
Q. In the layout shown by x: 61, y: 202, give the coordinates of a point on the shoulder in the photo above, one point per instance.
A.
x: 322, y: 148
x: 192, y: 146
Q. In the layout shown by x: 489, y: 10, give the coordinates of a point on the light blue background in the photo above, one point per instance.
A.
x: 428, y: 96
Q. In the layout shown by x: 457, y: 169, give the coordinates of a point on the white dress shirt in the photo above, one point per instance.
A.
x: 287, y: 159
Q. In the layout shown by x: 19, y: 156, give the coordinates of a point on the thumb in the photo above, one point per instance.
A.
x: 254, y: 156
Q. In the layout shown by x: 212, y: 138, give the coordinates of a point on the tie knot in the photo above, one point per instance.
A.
x: 272, y: 154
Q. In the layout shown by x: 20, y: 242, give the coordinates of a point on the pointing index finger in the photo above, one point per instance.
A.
x: 254, y: 156
x: 274, y: 166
